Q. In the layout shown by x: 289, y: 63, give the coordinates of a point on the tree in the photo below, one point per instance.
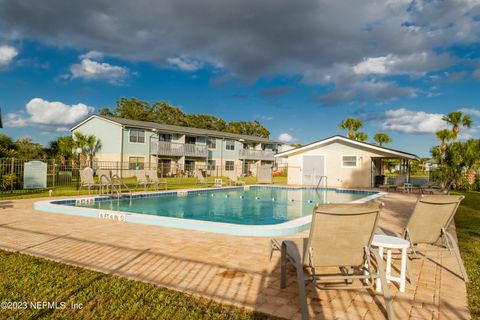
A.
x: 164, y: 113
x: 133, y: 109
x: 470, y: 152
x: 444, y: 136
x: 8, y: 149
x: 88, y: 145
x: 61, y: 148
x: 352, y: 125
x: 27, y: 149
x: 361, y: 136
x: 251, y: 128
x: 105, y: 112
x: 456, y: 119
x: 382, y: 138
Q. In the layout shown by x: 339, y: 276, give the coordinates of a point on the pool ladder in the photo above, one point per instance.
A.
x: 320, y: 181
x: 115, y: 184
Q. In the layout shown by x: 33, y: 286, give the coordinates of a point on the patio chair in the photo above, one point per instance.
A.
x: 340, y: 237
x: 432, y: 188
x: 87, y: 180
x: 154, y: 181
x: 201, y: 179
x: 429, y: 222
x: 399, y: 183
x: 235, y: 182
x: 141, y: 179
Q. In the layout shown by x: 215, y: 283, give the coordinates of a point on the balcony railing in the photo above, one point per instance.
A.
x: 249, y: 154
x: 164, y: 148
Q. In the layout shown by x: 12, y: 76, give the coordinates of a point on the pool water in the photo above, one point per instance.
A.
x: 257, y: 206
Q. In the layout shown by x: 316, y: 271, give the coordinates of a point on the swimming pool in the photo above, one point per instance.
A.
x: 251, y: 210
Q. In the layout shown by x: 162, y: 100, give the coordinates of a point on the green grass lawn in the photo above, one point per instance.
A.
x: 29, y: 279
x: 173, y: 184
x: 467, y: 221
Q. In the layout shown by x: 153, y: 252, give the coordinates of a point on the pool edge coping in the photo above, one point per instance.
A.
x: 281, y: 229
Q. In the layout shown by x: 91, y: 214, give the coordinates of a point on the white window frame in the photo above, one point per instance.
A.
x: 130, y: 136
x: 214, y: 142
x: 233, y: 165
x: 357, y: 157
x: 138, y: 157
x: 226, y: 145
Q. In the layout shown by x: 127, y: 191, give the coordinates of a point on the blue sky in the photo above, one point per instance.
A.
x: 297, y: 68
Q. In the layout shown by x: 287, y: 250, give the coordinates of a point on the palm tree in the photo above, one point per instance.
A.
x: 382, y: 138
x: 352, y: 125
x: 444, y: 136
x: 471, y: 159
x: 361, y: 136
x: 456, y: 119
x: 88, y: 145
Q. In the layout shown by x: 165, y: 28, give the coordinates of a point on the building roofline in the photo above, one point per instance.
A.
x: 175, y: 129
x: 345, y: 139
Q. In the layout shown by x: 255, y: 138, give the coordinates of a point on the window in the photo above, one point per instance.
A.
x: 230, y: 145
x: 349, y: 161
x: 229, y: 165
x: 211, y: 164
x: 190, y: 140
x: 137, y: 136
x: 190, y: 165
x: 212, y: 143
x: 136, y: 163
x: 165, y: 137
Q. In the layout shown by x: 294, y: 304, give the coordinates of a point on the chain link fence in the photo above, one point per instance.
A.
x: 65, y: 175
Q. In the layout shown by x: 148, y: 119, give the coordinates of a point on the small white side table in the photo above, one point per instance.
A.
x: 389, y: 243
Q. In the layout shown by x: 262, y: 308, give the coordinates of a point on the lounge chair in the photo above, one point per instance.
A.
x: 142, y: 179
x: 154, y: 181
x: 399, y: 183
x: 340, y: 237
x: 432, y: 188
x: 87, y: 180
x: 235, y: 182
x: 429, y: 222
x: 201, y: 179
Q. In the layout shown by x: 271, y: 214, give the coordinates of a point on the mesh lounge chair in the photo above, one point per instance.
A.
x: 86, y: 180
x: 201, y: 179
x: 142, y: 179
x: 154, y: 181
x: 399, y: 183
x: 340, y: 237
x: 235, y: 182
x: 429, y: 222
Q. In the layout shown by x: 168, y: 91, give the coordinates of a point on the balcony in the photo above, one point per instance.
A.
x: 175, y: 149
x: 249, y: 154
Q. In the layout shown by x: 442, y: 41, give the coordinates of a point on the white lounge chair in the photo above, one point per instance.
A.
x: 87, y: 180
x: 154, y: 181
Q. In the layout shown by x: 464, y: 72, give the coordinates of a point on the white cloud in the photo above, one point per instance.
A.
x: 471, y: 111
x: 407, y: 121
x: 7, y: 54
x: 285, y: 137
x: 184, y: 63
x: 45, y: 114
x: 92, y: 55
x: 412, y: 64
x: 88, y: 69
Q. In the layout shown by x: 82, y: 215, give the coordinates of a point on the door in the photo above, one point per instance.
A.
x: 165, y: 167
x: 313, y: 168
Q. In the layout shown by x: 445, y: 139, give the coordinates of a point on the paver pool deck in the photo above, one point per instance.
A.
x: 229, y: 269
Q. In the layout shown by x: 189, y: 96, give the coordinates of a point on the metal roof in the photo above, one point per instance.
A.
x: 178, y: 129
x: 345, y: 139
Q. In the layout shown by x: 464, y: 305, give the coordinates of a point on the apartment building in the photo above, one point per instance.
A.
x: 176, y: 149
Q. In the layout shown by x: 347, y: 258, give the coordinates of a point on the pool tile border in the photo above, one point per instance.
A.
x: 64, y: 206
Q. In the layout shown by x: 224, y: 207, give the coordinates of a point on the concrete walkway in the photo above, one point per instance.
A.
x: 232, y: 270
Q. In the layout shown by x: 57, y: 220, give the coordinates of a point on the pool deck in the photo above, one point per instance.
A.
x: 230, y: 269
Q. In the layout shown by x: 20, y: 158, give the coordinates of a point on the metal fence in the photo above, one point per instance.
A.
x: 66, y: 174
